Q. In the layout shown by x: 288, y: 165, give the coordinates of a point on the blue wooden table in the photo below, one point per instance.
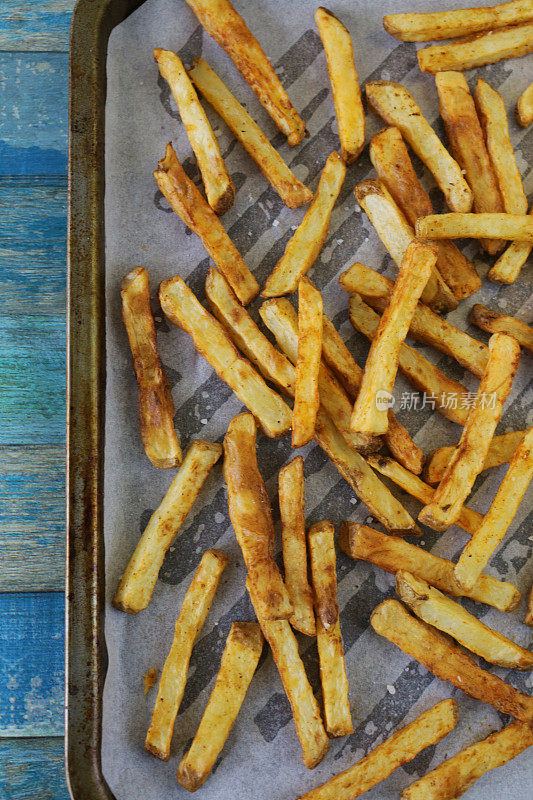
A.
x: 33, y: 164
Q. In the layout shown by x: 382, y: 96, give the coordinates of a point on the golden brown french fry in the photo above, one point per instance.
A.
x: 230, y: 31
x: 396, y: 234
x: 370, y: 408
x: 156, y: 406
x: 219, y: 188
x: 303, y: 248
x: 193, y: 613
x: 187, y: 202
x: 447, y: 661
x: 493, y: 118
x: 467, y: 460
x: 467, y: 143
x: 390, y: 158
x: 308, y: 722
x: 524, y: 107
x: 468, y: 519
x: 529, y: 611
x: 239, y: 661
x: 249, y: 134
x: 508, y: 266
x: 210, y: 339
x: 140, y: 576
x: 251, y: 517
x: 329, y: 641
x: 493, y: 322
x: 478, y: 50
x: 426, y: 729
x: 516, y: 227
x: 291, y: 508
x: 490, y: 533
x: 426, y: 326
x: 308, y: 362
x: 392, y: 553
x: 444, y: 391
x: 428, y: 27
x: 501, y: 450
x: 344, y: 83
x: 397, y: 106
x: 448, y: 616
x: 452, y: 778
x: 339, y: 359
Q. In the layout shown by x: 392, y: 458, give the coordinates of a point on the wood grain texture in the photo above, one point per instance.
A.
x: 32, y: 664
x: 35, y: 26
x: 32, y: 768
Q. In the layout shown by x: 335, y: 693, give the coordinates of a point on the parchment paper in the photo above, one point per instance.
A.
x: 262, y: 757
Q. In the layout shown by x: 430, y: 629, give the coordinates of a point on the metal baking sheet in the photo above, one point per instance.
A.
x: 263, y: 754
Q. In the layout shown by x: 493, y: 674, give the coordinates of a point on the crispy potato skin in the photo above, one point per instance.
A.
x: 493, y: 322
x: 306, y: 397
x: 507, y: 268
x: 427, y: 729
x: 323, y: 570
x: 524, y: 107
x: 230, y: 31
x: 392, y: 554
x: 447, y: 661
x: 478, y: 50
x: 156, y: 406
x: 529, y: 611
x: 500, y: 451
x: 517, y: 227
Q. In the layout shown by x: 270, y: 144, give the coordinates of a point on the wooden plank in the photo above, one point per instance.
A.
x: 32, y: 768
x: 32, y: 380
x: 33, y: 113
x: 32, y: 518
x: 35, y: 26
x: 32, y: 665
x: 33, y: 245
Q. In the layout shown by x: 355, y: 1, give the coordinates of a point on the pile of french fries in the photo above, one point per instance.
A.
x: 309, y: 383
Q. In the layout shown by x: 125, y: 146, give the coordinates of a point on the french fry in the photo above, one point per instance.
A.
x: 424, y: 376
x: 249, y: 134
x: 239, y: 661
x: 391, y: 554
x: 396, y: 234
x: 344, y: 83
x: 426, y: 326
x: 493, y: 118
x: 156, y: 406
x: 500, y: 451
x: 468, y: 519
x: 488, y: 536
x: 251, y: 517
x: 308, y: 362
x: 524, y: 107
x: 303, y: 248
x: 391, y: 161
x: 426, y: 729
x: 397, y: 106
x: 508, y: 266
x: 467, y: 460
x: 339, y: 359
x: 467, y: 143
x: 448, y: 616
x: 219, y: 188
x: 291, y: 508
x: 452, y: 778
x: 230, y: 31
x: 493, y: 322
x: 193, y: 613
x: 529, y: 611
x: 478, y: 50
x: 447, y: 661
x: 210, y: 339
x: 516, y: 227
x: 329, y: 641
x: 140, y: 576
x: 187, y: 202
x: 370, y: 408
x: 308, y: 722
x: 459, y: 22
